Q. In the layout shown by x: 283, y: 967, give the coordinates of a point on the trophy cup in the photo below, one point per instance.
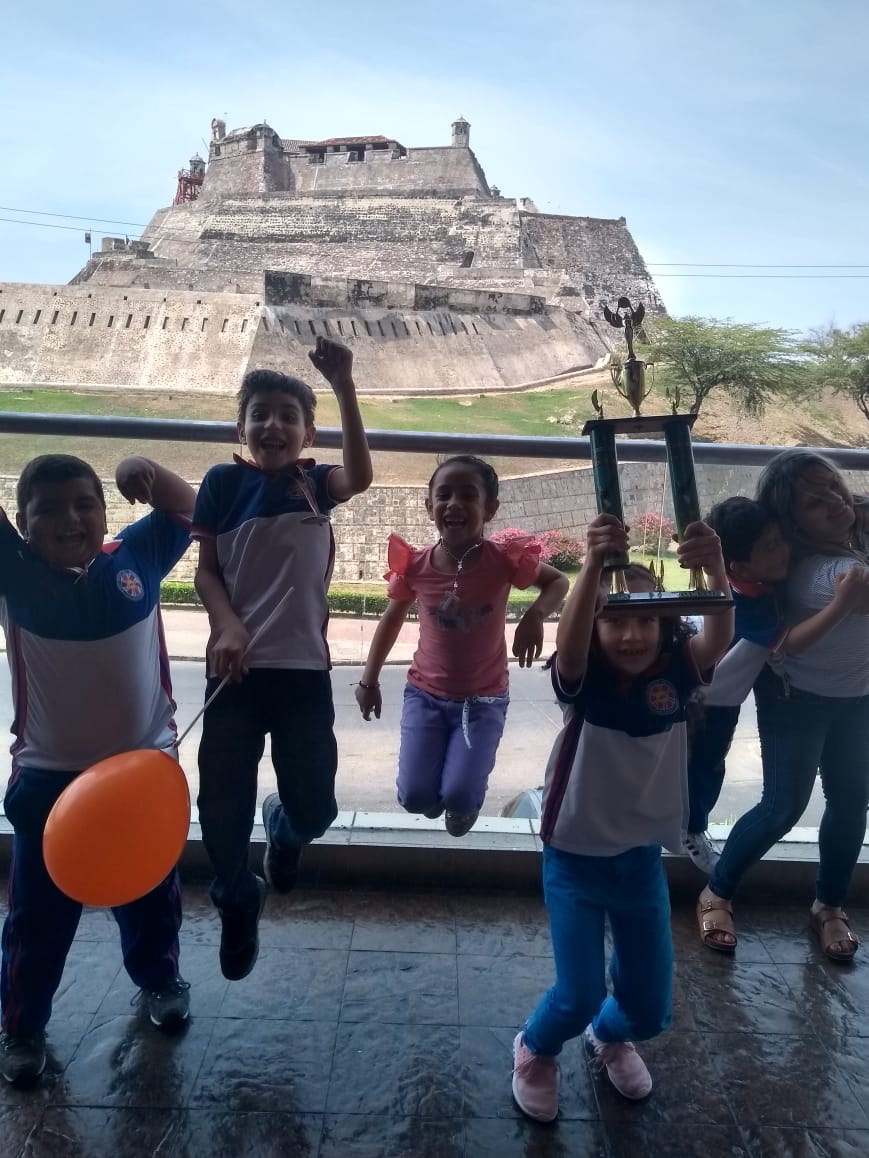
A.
x: 630, y: 381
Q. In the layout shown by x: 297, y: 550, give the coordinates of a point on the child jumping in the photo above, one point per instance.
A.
x: 90, y: 679
x: 263, y: 529
x: 455, y: 701
x: 615, y: 793
x: 813, y: 707
x: 757, y: 557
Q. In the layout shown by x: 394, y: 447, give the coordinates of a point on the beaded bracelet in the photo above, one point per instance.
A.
x: 368, y: 687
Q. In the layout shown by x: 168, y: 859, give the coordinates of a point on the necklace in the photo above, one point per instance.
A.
x: 451, y: 598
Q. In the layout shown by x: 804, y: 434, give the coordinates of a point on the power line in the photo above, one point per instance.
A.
x: 655, y: 264
x: 778, y: 276
x: 753, y: 265
x: 68, y: 216
x: 51, y: 225
x: 194, y: 239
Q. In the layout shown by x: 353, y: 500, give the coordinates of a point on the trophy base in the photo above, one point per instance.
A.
x: 666, y: 603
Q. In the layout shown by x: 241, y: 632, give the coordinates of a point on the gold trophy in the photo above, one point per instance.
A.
x: 630, y: 381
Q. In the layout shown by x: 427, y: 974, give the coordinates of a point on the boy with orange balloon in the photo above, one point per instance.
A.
x: 90, y: 679
x: 263, y: 529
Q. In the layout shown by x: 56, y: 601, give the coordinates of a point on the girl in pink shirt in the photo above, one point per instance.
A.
x: 455, y: 702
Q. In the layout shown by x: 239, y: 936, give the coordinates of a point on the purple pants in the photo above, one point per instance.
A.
x: 447, y: 750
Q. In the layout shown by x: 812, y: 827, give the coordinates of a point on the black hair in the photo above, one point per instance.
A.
x: 267, y: 381
x: 674, y: 629
x: 54, y: 468
x: 486, y: 472
x: 739, y: 522
x: 777, y: 490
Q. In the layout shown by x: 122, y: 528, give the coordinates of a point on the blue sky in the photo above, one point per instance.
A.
x: 728, y: 132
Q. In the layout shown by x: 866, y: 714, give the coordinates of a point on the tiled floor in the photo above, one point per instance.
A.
x: 380, y: 1024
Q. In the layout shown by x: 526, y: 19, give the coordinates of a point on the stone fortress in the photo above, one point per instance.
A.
x: 437, y: 281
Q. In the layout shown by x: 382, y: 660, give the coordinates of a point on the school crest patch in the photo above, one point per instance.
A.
x: 130, y: 584
x: 662, y: 698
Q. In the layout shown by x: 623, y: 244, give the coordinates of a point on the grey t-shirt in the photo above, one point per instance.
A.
x: 838, y: 664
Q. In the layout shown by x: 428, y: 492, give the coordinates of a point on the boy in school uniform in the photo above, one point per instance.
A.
x: 90, y: 679
x: 263, y: 529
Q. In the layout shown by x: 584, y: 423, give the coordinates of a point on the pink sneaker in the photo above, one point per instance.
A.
x: 624, y: 1066
x: 535, y: 1082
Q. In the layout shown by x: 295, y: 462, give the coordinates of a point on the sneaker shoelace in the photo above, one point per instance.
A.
x: 171, y: 989
x: 607, y: 1052
x: 533, y: 1061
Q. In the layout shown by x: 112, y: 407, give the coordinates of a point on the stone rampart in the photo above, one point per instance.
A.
x: 599, y: 254
x: 557, y: 500
x: 101, y: 336
x: 448, y: 170
x: 74, y: 335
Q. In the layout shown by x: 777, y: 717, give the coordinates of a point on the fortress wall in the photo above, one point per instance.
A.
x: 398, y: 238
x: 207, y: 341
x: 600, y: 253
x: 125, y: 270
x: 446, y: 171
x: 309, y: 290
x: 140, y: 338
x: 557, y: 500
x: 246, y: 171
x: 397, y: 352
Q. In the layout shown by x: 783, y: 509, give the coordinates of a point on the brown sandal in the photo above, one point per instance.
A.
x: 709, y: 924
x: 819, y: 920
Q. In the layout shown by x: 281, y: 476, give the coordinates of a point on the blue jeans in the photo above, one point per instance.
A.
x: 799, y: 733
x: 42, y: 920
x: 438, y: 764
x: 708, y: 748
x: 580, y: 892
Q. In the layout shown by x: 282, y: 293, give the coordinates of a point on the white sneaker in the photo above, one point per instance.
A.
x: 701, y: 850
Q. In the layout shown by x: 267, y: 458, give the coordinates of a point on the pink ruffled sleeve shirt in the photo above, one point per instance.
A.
x: 462, y: 650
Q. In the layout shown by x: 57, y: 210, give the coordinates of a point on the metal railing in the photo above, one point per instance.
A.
x: 431, y: 442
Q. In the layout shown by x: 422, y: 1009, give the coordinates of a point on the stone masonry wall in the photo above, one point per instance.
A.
x: 558, y: 500
x: 76, y: 335
x: 448, y: 170
x: 93, y: 336
x: 598, y: 253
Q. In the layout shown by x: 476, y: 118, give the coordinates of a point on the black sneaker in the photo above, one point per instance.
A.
x: 280, y: 865
x: 22, y: 1059
x: 168, y: 1008
x: 239, y: 937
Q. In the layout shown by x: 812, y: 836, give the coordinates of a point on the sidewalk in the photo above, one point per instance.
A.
x: 349, y: 639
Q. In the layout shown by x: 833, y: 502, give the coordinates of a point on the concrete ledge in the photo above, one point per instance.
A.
x: 396, y: 851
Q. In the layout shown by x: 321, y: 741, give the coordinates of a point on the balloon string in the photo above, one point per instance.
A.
x: 256, y: 635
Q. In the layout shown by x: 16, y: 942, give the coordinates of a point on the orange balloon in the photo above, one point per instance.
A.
x: 116, y: 831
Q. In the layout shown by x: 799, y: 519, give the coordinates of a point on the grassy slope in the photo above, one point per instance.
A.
x: 828, y: 421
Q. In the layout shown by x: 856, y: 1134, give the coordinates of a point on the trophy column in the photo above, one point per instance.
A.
x: 605, y: 468
x: 683, y: 482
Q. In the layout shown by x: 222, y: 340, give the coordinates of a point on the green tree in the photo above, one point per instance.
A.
x: 840, y: 362
x: 694, y: 356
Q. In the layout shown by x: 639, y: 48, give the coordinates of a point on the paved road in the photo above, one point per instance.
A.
x: 368, y: 750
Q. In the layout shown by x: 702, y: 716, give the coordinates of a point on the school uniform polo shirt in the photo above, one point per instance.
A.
x: 90, y: 673
x: 617, y: 775
x: 759, y: 631
x: 272, y: 533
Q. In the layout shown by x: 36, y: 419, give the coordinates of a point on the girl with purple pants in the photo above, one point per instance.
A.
x: 455, y: 702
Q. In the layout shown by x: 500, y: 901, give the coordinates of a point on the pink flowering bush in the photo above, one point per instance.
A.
x: 648, y: 530
x: 556, y: 548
